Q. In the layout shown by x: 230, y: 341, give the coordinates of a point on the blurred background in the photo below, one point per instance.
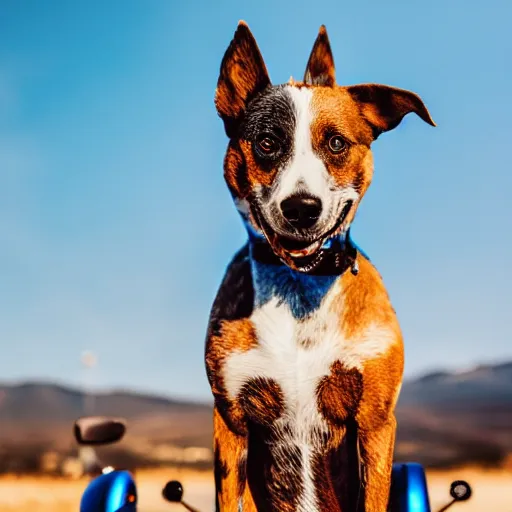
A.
x: 116, y: 226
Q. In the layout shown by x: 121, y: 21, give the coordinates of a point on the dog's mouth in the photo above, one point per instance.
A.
x: 302, y: 255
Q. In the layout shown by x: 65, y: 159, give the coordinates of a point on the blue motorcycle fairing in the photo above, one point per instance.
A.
x: 409, y: 491
x: 111, y: 492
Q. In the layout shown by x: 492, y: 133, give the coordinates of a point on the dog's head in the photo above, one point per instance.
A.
x: 299, y: 160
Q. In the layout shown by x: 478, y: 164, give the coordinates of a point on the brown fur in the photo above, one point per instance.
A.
x: 320, y: 67
x: 234, y: 335
x: 262, y: 401
x: 339, y: 394
x: 365, y: 301
x: 243, y: 74
x: 230, y: 479
x: 384, y: 107
x: 235, y: 172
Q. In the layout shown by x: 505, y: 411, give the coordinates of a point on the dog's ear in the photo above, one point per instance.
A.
x: 242, y: 75
x: 320, y: 67
x: 384, y: 107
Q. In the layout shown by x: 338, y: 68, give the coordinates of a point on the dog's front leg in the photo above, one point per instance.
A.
x: 231, y: 432
x: 377, y: 448
x: 377, y: 427
x: 230, y: 455
x: 230, y: 331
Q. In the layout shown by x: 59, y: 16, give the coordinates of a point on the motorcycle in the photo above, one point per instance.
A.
x: 115, y: 491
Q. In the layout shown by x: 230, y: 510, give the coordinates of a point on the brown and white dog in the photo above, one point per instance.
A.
x: 304, y: 353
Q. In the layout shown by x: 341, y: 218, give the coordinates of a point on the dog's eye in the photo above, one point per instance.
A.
x: 267, y: 145
x: 337, y: 144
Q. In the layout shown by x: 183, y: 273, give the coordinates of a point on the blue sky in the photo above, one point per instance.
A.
x: 115, y: 222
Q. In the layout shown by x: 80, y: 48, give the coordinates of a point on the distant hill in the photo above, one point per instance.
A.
x: 36, y: 401
x: 484, y: 385
x: 444, y: 418
x: 39, y: 411
x: 457, y: 417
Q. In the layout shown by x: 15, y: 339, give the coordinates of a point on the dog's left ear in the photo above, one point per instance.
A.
x: 242, y: 75
x: 384, y: 107
x: 320, y: 67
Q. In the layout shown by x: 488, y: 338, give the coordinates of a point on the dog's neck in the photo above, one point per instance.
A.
x: 302, y: 292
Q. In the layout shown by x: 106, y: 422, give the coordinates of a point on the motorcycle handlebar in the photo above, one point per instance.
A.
x: 460, y: 490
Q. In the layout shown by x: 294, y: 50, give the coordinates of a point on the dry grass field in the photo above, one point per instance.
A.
x: 492, y: 491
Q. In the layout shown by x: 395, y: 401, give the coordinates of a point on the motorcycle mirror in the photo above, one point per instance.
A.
x: 460, y: 490
x: 94, y: 430
x: 173, y: 492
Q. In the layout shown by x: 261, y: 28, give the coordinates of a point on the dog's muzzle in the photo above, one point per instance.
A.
x: 299, y: 255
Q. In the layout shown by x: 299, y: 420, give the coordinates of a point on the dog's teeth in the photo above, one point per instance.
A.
x: 315, y: 247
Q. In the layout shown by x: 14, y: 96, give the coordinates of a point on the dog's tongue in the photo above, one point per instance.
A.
x: 289, y: 244
x: 299, y: 249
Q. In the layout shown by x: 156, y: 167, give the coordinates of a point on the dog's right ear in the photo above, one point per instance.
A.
x: 242, y: 75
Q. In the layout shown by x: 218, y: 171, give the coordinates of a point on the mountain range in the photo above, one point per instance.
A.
x: 444, y: 418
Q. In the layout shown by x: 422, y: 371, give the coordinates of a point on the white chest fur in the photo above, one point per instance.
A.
x: 296, y: 352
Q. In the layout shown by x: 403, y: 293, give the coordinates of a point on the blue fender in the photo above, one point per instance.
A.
x: 111, y: 492
x: 409, y: 492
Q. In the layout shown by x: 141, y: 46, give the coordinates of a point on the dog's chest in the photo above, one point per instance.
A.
x: 297, y: 322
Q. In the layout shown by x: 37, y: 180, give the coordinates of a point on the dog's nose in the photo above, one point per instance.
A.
x: 301, y: 211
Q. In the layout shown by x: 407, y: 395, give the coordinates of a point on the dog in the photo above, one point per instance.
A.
x: 304, y: 353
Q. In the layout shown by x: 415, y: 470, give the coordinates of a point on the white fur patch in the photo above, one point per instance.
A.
x: 242, y: 205
x: 306, y: 172
x: 298, y: 367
